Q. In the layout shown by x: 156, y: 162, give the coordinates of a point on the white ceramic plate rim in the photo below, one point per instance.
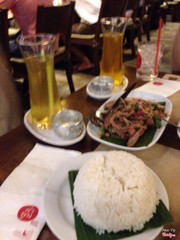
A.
x: 48, y: 135
x: 116, y: 89
x: 58, y: 205
x: 94, y: 132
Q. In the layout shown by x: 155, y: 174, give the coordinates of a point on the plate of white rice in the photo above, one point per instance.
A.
x: 134, y: 181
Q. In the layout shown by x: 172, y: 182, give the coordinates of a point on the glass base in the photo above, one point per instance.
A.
x: 147, y: 77
x: 44, y: 124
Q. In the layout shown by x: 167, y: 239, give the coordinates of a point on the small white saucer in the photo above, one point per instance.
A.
x: 48, y: 135
x: 116, y: 89
x: 178, y: 130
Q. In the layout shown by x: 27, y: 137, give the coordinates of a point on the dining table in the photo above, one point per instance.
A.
x: 162, y: 158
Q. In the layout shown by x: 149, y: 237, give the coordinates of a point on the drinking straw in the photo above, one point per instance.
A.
x: 157, y: 47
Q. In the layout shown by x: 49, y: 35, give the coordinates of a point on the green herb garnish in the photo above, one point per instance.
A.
x: 136, y: 108
x: 144, y: 140
x: 115, y: 139
x: 154, y: 106
x: 157, y: 121
x: 102, y: 130
x: 162, y: 103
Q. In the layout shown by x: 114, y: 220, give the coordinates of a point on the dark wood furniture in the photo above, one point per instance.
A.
x: 169, y: 8
x: 140, y: 23
x: 15, y: 145
x: 4, y: 24
x: 58, y: 20
x: 54, y: 20
x: 109, y: 8
x: 145, y: 18
x: 134, y: 25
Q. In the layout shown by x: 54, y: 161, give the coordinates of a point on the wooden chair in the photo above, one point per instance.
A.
x: 109, y: 8
x: 4, y: 39
x: 169, y: 8
x: 13, y: 31
x: 134, y: 25
x: 54, y: 20
x: 145, y: 18
x: 58, y: 20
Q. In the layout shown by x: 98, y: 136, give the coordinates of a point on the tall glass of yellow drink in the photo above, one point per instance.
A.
x: 38, y: 54
x: 113, y: 29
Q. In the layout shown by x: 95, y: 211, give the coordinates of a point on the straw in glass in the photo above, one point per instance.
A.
x: 157, y: 48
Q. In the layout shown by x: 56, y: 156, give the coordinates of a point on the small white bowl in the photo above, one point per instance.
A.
x: 68, y: 123
x: 102, y: 85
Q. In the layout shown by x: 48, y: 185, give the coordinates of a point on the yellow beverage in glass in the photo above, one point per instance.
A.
x: 44, y: 96
x: 112, y: 56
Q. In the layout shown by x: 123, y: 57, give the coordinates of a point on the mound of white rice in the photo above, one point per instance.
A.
x: 115, y: 191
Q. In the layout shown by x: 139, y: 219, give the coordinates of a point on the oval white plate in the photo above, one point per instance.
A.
x: 178, y: 130
x: 94, y: 132
x: 48, y: 135
x: 58, y: 205
x: 116, y: 89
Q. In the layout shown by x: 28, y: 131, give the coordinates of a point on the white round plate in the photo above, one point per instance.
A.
x: 58, y: 205
x: 48, y: 135
x: 95, y: 133
x: 178, y: 130
x: 116, y: 89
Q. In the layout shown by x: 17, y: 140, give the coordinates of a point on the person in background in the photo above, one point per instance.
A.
x: 11, y: 110
x: 24, y: 12
x: 175, y: 61
x: 155, y: 14
x: 141, y: 3
x: 88, y: 13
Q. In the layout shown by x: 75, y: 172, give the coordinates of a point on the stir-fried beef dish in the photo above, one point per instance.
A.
x: 130, y: 119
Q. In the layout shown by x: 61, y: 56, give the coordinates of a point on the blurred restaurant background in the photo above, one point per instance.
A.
x: 143, y: 26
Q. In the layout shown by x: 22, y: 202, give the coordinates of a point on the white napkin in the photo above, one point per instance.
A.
x: 161, y: 87
x: 21, y: 195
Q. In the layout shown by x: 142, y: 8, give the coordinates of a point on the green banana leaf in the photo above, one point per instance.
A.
x: 86, y: 232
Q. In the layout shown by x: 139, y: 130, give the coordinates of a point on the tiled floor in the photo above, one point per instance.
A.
x: 81, y: 79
